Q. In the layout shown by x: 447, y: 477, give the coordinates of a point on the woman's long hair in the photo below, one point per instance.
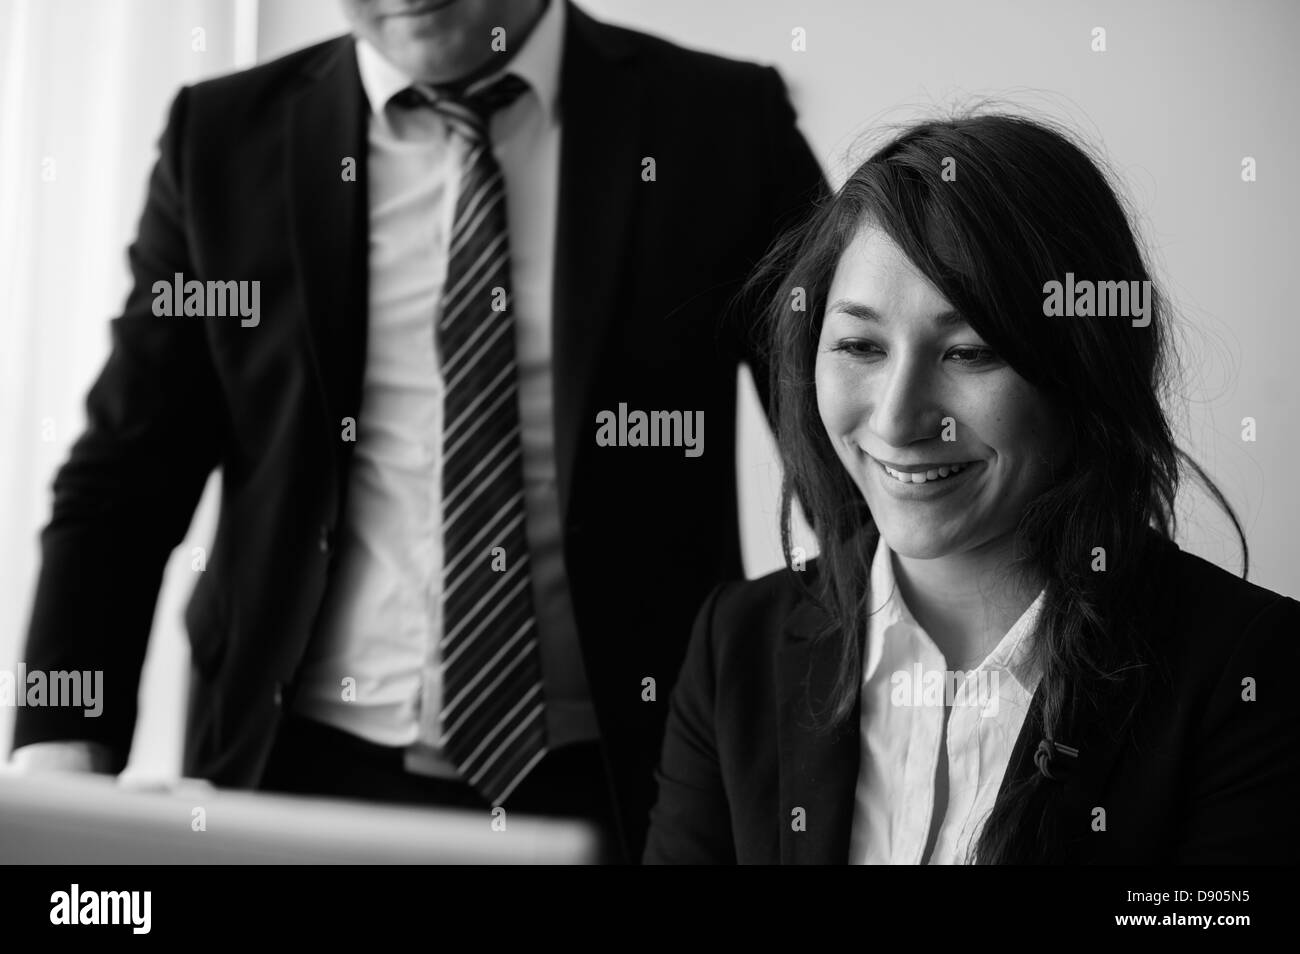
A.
x: 989, y: 208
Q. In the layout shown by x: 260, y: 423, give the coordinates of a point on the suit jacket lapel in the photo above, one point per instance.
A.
x: 1098, y: 739
x: 1099, y: 731
x: 818, y: 772
x: 600, y: 163
x: 327, y: 123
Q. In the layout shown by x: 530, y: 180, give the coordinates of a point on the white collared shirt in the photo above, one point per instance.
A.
x: 905, y: 683
x: 381, y: 622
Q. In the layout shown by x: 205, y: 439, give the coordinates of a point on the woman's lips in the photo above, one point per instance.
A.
x: 937, y: 472
x: 927, y: 488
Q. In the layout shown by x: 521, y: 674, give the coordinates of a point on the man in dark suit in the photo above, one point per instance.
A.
x: 429, y: 573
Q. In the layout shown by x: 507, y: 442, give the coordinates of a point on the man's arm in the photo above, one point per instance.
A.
x: 62, y: 757
x: 124, y: 498
x: 794, y: 184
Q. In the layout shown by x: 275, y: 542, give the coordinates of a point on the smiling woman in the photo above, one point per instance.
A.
x: 890, y: 372
x: 991, y: 488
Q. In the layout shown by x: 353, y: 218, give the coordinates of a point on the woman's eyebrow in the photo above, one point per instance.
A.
x: 856, y: 309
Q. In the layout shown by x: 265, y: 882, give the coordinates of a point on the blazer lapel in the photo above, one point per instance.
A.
x: 820, y: 773
x: 600, y: 163
x: 1098, y: 739
x: 327, y: 123
x: 1099, y: 732
x: 817, y: 771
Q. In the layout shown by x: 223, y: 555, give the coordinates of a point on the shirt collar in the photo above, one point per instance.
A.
x: 537, y: 63
x: 888, y: 609
x: 1014, y: 652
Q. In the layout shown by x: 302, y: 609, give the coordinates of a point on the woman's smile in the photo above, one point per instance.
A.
x: 932, y: 483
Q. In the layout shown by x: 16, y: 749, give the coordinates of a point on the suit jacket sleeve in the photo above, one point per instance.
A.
x: 1245, y: 783
x: 793, y: 184
x: 125, y: 495
x: 690, y: 823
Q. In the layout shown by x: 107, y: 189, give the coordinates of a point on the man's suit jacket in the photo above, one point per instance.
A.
x: 248, y: 186
x: 1197, y: 775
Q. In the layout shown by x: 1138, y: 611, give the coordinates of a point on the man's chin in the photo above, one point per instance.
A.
x: 430, y: 59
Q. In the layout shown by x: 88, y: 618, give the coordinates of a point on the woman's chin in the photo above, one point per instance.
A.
x: 917, y: 543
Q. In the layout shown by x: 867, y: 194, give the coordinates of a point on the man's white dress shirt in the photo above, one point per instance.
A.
x: 381, y: 622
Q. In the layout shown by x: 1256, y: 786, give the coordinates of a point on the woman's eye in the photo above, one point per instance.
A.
x: 855, y: 346
x: 970, y: 356
x: 974, y: 356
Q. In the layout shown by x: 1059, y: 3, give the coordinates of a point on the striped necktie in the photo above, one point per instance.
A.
x: 493, y: 726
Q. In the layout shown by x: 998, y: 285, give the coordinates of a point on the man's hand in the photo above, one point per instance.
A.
x: 60, y: 757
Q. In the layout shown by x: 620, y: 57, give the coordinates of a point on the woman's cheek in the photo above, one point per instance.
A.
x: 836, y: 400
x: 1002, y: 409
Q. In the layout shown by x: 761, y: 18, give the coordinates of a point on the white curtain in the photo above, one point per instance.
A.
x: 84, y: 88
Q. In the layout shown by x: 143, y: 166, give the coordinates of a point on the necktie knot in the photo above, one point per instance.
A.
x: 468, y: 113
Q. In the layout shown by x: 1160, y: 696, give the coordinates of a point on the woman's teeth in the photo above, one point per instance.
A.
x: 921, y: 477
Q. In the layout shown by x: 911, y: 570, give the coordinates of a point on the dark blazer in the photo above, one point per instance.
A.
x: 1196, y: 776
x: 248, y: 186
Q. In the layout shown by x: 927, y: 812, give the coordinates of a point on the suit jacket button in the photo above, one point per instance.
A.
x: 278, y: 696
x: 324, y: 541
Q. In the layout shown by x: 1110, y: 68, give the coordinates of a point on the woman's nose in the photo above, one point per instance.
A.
x: 904, y: 408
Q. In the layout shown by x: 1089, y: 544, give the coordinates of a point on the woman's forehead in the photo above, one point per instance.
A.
x: 876, y: 281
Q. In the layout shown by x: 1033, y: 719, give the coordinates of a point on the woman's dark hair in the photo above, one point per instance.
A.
x: 989, y: 208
